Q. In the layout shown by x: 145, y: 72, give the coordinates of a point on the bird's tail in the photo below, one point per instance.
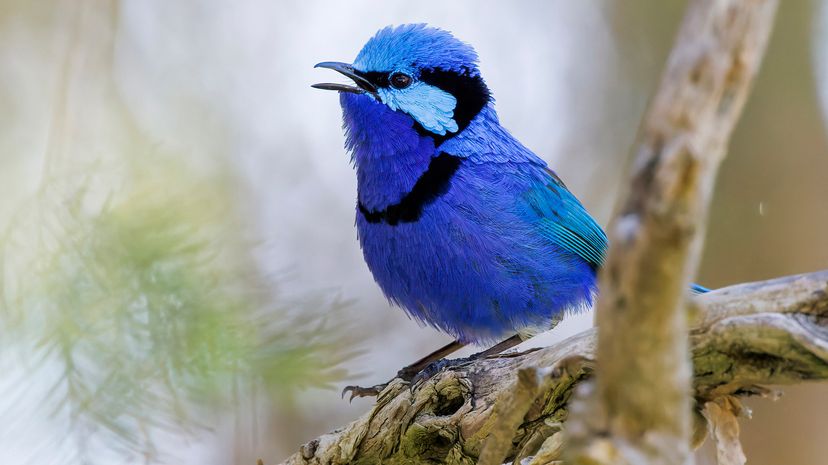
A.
x: 698, y: 289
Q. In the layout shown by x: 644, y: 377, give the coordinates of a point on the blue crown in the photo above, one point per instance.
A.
x: 416, y: 47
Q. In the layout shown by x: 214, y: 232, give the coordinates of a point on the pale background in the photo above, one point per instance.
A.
x: 225, y: 85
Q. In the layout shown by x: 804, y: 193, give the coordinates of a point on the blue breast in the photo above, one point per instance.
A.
x: 498, y: 246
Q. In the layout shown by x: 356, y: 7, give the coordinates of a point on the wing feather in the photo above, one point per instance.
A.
x: 566, y: 222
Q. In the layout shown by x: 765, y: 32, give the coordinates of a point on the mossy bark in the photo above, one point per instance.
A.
x: 742, y: 337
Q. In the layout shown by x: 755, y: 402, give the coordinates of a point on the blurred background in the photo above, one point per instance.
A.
x: 181, y: 280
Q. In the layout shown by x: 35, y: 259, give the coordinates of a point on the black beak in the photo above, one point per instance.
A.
x: 364, y: 85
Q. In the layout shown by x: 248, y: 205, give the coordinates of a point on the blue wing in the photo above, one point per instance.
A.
x: 567, y: 223
x: 564, y: 221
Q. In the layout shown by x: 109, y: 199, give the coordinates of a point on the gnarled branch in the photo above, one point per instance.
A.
x: 742, y: 337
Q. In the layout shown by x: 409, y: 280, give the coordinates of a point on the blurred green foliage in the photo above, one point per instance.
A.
x: 137, y: 284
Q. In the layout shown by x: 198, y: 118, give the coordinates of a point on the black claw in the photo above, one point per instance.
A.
x: 408, y: 373
x: 415, y: 378
x: 359, y: 391
x: 435, y: 367
x: 413, y: 374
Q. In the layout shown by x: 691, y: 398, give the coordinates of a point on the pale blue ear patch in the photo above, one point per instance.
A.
x: 430, y: 106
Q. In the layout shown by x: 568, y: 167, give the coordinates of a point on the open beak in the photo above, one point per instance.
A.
x: 363, y: 85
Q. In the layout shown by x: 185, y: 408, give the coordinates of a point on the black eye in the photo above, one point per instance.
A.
x: 400, y: 80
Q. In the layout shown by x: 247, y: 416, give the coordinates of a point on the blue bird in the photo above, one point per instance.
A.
x: 460, y: 224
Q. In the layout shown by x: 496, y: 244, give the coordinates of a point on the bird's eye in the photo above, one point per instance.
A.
x: 400, y: 80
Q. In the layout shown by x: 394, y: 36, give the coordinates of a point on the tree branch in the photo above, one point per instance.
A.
x: 742, y: 337
x: 639, y: 412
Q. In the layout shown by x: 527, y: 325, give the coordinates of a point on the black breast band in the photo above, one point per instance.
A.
x: 433, y: 183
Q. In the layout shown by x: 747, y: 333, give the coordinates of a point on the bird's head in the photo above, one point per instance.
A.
x: 423, y: 72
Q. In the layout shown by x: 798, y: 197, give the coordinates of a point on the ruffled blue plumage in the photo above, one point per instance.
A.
x: 461, y: 225
x: 416, y: 47
x: 505, y: 248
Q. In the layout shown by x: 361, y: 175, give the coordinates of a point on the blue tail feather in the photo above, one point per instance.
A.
x: 698, y: 289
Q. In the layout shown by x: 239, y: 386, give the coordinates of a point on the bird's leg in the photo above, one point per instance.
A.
x: 501, y: 346
x: 432, y: 363
x: 434, y: 367
x: 406, y: 373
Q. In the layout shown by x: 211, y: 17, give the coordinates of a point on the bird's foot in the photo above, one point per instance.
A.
x: 409, y: 375
x: 435, y: 367
x: 359, y: 391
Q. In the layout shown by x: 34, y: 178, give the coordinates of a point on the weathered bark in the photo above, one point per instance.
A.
x: 742, y: 337
x: 640, y: 410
